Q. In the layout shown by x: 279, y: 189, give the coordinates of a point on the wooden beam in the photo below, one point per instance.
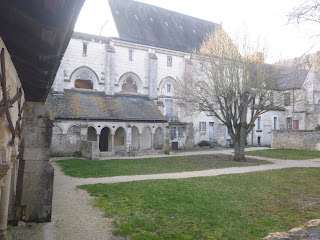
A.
x: 30, y: 43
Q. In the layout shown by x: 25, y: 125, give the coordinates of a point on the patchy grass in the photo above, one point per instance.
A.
x: 116, y: 167
x: 285, y: 154
x: 239, y: 207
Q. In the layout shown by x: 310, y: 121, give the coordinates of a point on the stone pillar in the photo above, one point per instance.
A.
x: 139, y: 142
x: 112, y: 143
x: 13, y: 187
x: 110, y: 70
x: 58, y: 84
x: 98, y: 142
x: 128, y: 139
x: 152, y: 140
x: 35, y: 175
x: 153, y: 65
x: 4, y: 202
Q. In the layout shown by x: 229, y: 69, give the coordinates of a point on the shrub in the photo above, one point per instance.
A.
x: 204, y: 143
x: 317, y: 128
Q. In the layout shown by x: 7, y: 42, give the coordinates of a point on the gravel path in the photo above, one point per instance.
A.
x: 74, y: 216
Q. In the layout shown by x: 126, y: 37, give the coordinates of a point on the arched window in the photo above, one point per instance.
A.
x: 83, y: 81
x: 84, y: 78
x: 129, y: 86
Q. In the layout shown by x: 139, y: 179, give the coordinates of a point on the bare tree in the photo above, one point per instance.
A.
x: 307, y: 11
x: 234, y: 87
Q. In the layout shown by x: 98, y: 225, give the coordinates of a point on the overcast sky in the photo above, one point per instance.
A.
x: 264, y: 20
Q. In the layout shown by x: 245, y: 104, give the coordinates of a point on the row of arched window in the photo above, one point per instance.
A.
x: 86, y: 78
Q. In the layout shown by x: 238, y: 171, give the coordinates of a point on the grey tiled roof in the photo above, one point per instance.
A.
x: 93, y: 105
x: 150, y: 25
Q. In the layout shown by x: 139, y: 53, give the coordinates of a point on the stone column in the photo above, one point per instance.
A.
x: 4, y: 202
x: 35, y: 175
x: 110, y: 70
x: 139, y: 142
x: 128, y: 139
x: 153, y: 65
x: 13, y: 187
x: 152, y: 140
x: 98, y: 142
x: 58, y: 84
x: 112, y: 143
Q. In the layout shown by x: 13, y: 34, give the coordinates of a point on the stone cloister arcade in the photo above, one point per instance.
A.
x: 110, y: 139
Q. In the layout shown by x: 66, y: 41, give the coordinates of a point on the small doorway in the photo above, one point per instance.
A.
x: 103, y: 141
x: 211, y: 124
x: 259, y: 141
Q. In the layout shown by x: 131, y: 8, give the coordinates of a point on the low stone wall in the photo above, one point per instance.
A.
x: 302, y: 140
x: 89, y: 150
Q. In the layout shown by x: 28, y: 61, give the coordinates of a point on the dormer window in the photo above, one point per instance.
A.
x: 84, y: 48
x: 130, y: 55
x: 169, y: 61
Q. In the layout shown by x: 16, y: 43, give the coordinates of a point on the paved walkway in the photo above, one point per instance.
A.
x: 74, y: 216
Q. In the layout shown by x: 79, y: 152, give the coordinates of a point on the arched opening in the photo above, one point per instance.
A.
x: 119, y: 139
x: 134, y: 138
x: 104, y: 140
x: 83, y: 81
x: 146, y: 139
x: 158, y: 139
x: 92, y: 134
x: 129, y: 86
x: 73, y: 140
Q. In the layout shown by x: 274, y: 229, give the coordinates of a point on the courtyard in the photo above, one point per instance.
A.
x: 195, y: 204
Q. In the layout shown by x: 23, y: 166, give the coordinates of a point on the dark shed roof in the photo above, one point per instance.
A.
x: 82, y: 104
x: 150, y: 25
x: 36, y: 34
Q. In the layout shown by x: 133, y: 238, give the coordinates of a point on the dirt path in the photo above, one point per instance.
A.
x: 74, y: 217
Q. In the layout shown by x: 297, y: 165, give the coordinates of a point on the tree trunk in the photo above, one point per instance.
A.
x: 239, y: 143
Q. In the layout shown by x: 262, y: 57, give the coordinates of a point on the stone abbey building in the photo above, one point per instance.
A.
x: 116, y: 95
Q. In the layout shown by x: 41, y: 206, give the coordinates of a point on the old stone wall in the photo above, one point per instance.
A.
x: 302, y: 140
x: 8, y: 142
x: 35, y: 174
x: 89, y: 150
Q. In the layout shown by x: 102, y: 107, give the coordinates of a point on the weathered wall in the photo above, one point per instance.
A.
x: 8, y: 147
x: 302, y: 140
x: 35, y: 177
x: 89, y: 150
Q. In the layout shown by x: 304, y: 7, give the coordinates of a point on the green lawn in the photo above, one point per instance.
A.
x: 241, y: 206
x: 285, y: 154
x: 117, y: 167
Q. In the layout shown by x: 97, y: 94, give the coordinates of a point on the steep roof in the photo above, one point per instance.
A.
x: 150, y: 25
x: 93, y: 105
x: 290, y: 77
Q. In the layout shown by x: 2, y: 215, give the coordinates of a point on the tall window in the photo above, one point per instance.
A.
x: 289, y: 122
x: 169, y: 61
x: 84, y: 48
x: 275, y: 123
x: 168, y: 88
x: 173, y: 132
x: 180, y: 131
x: 202, y: 127
x: 130, y: 55
x: 259, y: 124
x: 287, y: 99
x: 227, y: 132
